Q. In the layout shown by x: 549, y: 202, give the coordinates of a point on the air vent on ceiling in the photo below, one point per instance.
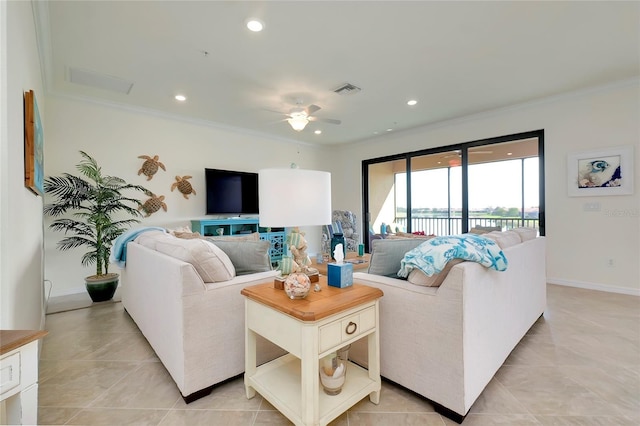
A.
x: 347, y: 89
x: 101, y: 81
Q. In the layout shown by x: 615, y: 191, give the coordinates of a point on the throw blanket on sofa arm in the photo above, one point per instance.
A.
x: 119, y: 250
x: 432, y: 255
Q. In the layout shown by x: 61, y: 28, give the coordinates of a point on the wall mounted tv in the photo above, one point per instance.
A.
x: 230, y: 192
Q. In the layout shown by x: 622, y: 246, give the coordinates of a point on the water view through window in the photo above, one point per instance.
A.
x: 502, y: 189
x: 501, y: 194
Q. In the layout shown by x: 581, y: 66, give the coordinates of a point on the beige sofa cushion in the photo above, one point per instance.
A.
x: 417, y: 277
x: 504, y: 239
x: 526, y: 234
x: 149, y: 239
x: 481, y: 230
x: 254, y: 236
x: 211, y: 263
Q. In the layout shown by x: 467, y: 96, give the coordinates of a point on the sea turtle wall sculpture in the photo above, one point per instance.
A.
x: 153, y: 204
x: 184, y: 186
x: 150, y: 166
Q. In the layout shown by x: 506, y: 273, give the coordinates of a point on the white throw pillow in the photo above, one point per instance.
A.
x: 211, y: 263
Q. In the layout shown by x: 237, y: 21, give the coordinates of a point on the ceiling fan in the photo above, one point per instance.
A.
x: 299, y: 116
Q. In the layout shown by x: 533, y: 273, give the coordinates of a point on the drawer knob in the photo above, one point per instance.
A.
x: 351, y: 327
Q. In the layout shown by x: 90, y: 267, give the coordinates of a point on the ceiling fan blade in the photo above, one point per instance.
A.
x: 277, y: 121
x: 311, y: 109
x: 276, y: 111
x: 325, y: 120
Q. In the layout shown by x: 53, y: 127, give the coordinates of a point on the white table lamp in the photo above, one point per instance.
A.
x: 293, y: 198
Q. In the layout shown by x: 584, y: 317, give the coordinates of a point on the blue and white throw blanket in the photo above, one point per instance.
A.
x: 432, y: 255
x: 119, y: 250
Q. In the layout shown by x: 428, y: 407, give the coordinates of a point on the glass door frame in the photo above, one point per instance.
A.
x: 464, y: 152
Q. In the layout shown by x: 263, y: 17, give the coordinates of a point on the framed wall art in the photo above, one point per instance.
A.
x: 602, y: 172
x: 33, y: 145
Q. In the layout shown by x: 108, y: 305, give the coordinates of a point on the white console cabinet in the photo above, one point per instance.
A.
x: 19, y: 376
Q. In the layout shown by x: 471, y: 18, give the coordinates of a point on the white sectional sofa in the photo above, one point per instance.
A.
x: 446, y: 343
x: 195, y: 327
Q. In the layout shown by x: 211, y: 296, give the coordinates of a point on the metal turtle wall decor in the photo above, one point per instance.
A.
x: 184, y: 186
x: 153, y: 204
x: 150, y: 166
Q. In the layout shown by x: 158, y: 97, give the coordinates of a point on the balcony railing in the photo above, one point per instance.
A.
x: 453, y: 225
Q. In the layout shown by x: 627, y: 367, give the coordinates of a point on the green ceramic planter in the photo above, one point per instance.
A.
x: 102, y: 287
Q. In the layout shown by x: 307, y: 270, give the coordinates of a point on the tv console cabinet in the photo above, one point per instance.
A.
x: 243, y: 226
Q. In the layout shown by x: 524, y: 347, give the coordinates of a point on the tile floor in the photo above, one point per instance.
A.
x: 579, y: 365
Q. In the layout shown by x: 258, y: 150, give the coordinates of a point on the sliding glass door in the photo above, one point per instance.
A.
x: 503, y: 185
x: 496, y: 183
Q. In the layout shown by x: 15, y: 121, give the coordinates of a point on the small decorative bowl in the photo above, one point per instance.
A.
x: 297, y: 285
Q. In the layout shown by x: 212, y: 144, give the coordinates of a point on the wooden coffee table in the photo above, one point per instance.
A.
x: 310, y: 329
x: 359, y: 263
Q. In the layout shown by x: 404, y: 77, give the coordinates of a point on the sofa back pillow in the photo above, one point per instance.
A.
x: 525, y: 233
x: 247, y: 257
x: 254, y: 236
x: 417, y: 277
x: 480, y: 230
x: 211, y: 263
x: 387, y: 254
x: 150, y: 239
x: 504, y: 239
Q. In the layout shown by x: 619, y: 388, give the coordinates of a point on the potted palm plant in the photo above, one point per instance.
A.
x: 100, y: 213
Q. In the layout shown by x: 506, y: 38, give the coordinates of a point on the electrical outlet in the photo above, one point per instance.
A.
x: 610, y: 263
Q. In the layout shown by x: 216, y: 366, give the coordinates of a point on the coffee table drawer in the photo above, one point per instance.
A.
x: 346, y: 328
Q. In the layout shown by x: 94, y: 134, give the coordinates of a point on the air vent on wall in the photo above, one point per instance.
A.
x: 347, y: 89
x: 101, y: 81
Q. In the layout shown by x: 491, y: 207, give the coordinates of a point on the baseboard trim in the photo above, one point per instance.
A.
x: 71, y: 291
x: 594, y: 286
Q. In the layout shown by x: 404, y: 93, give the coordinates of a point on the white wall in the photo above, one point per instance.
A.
x: 579, y: 243
x: 21, y: 279
x: 116, y: 137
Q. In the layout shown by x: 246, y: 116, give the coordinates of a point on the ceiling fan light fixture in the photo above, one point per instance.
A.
x: 298, y: 122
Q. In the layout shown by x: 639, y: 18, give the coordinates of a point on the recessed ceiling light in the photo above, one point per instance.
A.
x: 509, y: 153
x: 255, y: 25
x: 181, y: 98
x: 317, y: 132
x: 412, y: 102
x: 388, y: 130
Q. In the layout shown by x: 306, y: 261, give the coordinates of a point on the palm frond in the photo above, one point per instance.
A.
x: 92, y: 200
x: 75, y: 242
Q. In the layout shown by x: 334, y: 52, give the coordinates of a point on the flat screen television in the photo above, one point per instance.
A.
x: 231, y: 192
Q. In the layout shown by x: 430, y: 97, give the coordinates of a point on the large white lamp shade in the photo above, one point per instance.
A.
x: 294, y: 197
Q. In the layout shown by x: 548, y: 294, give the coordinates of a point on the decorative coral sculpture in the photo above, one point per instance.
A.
x: 184, y: 186
x: 150, y: 166
x: 153, y: 204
